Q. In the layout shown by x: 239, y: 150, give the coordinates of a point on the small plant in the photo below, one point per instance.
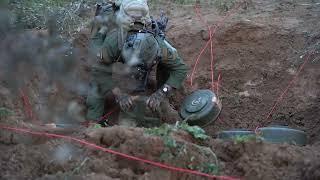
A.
x: 243, y: 138
x: 97, y: 126
x: 208, y: 168
x: 164, y: 132
x: 224, y: 5
x: 205, y: 167
x: 4, y: 112
x: 177, y: 149
x: 195, y: 131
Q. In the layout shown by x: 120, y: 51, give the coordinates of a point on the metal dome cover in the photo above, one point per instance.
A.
x: 202, y: 105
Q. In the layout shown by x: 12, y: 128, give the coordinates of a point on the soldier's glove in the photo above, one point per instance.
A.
x: 124, y: 100
x: 154, y: 101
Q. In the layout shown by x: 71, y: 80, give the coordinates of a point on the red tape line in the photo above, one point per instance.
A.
x: 280, y: 98
x: 197, y: 10
x: 212, y: 33
x: 88, y: 144
x: 27, y: 106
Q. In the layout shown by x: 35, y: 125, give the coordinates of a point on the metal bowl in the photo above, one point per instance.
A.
x: 201, y: 108
x: 283, y: 134
x: 232, y: 134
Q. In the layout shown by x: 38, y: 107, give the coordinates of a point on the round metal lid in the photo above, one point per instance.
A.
x: 197, y: 101
x: 232, y: 134
x: 283, y: 134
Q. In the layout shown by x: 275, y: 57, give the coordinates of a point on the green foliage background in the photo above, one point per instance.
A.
x: 67, y: 16
x: 71, y: 15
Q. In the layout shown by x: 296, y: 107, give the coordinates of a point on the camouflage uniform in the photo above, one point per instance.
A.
x: 171, y: 70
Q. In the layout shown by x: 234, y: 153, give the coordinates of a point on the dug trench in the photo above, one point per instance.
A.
x: 256, y: 62
x: 256, y: 65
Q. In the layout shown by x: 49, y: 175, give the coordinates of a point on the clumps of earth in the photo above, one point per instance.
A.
x: 173, y: 145
x: 181, y: 146
x: 167, y: 144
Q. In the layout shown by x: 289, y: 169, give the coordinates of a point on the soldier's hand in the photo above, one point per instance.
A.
x: 154, y: 101
x: 125, y: 102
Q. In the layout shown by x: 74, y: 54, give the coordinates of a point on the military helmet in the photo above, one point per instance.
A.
x: 141, y: 49
x: 131, y: 12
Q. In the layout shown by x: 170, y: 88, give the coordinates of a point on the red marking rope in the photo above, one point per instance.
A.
x: 289, y: 86
x: 211, y: 62
x: 218, y: 84
x: 108, y: 114
x: 104, y: 117
x: 197, y: 10
x: 212, y: 33
x: 197, y: 62
x: 88, y: 144
x: 27, y: 105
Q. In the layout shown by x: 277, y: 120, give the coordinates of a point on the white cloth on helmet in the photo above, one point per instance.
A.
x: 132, y: 11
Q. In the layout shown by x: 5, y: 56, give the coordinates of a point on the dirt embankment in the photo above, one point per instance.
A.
x: 258, y: 52
x: 55, y: 159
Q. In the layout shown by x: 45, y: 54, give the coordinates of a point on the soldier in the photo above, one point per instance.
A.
x: 132, y: 53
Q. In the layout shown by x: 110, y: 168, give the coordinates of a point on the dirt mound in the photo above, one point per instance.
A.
x: 170, y: 148
x: 257, y: 160
x: 56, y: 159
x: 38, y: 159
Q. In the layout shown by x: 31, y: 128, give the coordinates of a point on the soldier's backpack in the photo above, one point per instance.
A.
x: 104, y: 18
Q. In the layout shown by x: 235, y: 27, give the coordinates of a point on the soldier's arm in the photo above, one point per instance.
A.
x: 109, y: 53
x: 98, y: 37
x: 102, y: 23
x: 172, y: 67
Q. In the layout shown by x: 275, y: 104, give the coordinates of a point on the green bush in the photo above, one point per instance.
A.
x: 180, y: 2
x: 33, y: 13
x: 224, y: 5
x: 4, y: 112
x: 244, y: 138
x: 36, y: 14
